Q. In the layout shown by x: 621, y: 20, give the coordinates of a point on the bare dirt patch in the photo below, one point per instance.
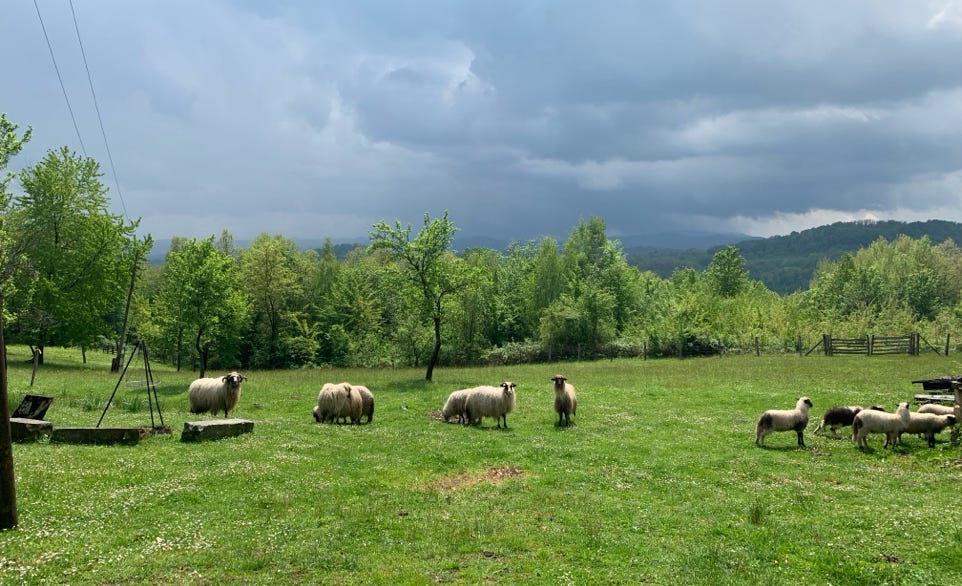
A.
x: 463, y: 480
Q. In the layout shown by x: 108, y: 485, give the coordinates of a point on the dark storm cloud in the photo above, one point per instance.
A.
x: 311, y: 119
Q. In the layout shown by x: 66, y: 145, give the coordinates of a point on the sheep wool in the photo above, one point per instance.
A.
x: 348, y: 404
x: 937, y: 409
x: 927, y: 424
x: 565, y: 399
x: 454, y: 406
x: 215, y: 394
x: 870, y: 421
x: 784, y: 420
x: 324, y: 409
x: 489, y: 401
x: 367, y: 402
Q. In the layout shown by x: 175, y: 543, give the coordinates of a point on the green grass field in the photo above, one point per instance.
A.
x: 658, y: 481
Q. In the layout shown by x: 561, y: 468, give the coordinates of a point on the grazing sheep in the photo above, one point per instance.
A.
x: 565, y: 399
x: 324, y: 409
x: 341, y: 401
x: 214, y: 394
x: 455, y: 405
x: 347, y: 403
x: 367, y: 402
x: 840, y: 416
x: 784, y: 420
x: 937, y: 409
x: 927, y: 424
x: 869, y: 421
x: 494, y: 402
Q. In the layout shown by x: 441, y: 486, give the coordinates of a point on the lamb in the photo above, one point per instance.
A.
x: 487, y: 401
x: 455, y: 405
x: 214, y: 394
x: 937, y: 409
x: 784, y: 420
x: 891, y: 424
x: 840, y: 416
x: 565, y: 399
x: 927, y: 424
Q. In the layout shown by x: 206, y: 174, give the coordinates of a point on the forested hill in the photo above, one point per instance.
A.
x: 786, y: 263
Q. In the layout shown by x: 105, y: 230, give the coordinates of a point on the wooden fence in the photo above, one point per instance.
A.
x: 910, y: 344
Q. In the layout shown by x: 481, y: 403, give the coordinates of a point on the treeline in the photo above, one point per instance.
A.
x: 408, y: 299
x: 785, y: 264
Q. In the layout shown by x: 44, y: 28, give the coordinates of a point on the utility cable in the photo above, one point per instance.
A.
x: 97, y: 108
x: 62, y: 87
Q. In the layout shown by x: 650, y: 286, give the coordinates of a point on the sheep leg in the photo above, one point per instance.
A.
x: 801, y: 439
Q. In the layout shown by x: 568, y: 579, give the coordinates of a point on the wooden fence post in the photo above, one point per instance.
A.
x: 827, y: 344
x: 947, y: 344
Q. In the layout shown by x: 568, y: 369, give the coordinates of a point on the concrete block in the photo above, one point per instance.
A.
x: 212, y: 429
x: 99, y: 435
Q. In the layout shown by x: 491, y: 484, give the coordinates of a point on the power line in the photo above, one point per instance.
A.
x: 97, y: 108
x: 62, y: 87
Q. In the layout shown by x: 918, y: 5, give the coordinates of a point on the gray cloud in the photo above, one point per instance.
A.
x: 313, y: 120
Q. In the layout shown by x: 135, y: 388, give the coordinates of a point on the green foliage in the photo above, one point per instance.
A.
x: 201, y: 312
x: 786, y: 264
x: 80, y: 256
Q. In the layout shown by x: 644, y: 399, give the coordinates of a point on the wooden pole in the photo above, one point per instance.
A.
x: 8, y: 487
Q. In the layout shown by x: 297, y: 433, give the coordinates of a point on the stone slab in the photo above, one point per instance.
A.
x: 212, y: 429
x: 23, y: 429
x: 99, y: 435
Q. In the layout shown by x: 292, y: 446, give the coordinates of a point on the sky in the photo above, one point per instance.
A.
x: 519, y: 118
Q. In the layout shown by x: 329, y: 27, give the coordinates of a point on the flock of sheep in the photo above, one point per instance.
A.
x: 344, y: 402
x: 929, y: 420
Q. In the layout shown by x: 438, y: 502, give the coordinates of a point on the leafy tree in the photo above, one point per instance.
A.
x: 198, y: 302
x: 428, y: 264
x: 81, y: 255
x: 271, y: 269
x: 11, y: 261
x: 726, y: 274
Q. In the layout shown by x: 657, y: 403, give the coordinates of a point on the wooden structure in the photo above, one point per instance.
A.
x: 869, y: 345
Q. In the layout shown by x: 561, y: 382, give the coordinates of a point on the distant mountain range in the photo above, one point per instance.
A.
x: 784, y: 263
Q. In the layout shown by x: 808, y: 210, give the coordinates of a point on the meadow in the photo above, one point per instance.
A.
x: 657, y: 482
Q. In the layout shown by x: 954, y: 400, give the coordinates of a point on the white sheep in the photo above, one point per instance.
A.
x: 927, y: 425
x: 840, y: 416
x: 367, y: 402
x: 487, y: 401
x: 870, y: 421
x: 324, y: 409
x: 348, y: 404
x: 784, y: 420
x: 341, y: 401
x: 565, y: 399
x: 455, y: 405
x: 214, y: 394
x: 937, y: 409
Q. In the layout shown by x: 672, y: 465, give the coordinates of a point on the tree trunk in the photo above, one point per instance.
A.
x: 8, y: 492
x: 435, y: 355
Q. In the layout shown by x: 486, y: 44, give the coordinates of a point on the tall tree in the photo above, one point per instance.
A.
x: 271, y: 269
x: 11, y: 260
x: 80, y: 253
x: 429, y: 264
x: 198, y: 297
